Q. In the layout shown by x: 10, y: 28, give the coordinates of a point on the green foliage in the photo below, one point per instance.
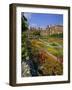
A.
x: 57, y: 35
x: 36, y: 33
x: 53, y: 44
x: 24, y: 23
x: 24, y: 50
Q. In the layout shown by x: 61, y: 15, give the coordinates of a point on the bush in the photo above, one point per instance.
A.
x: 57, y: 35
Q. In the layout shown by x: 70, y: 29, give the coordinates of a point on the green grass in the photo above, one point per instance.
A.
x: 57, y: 35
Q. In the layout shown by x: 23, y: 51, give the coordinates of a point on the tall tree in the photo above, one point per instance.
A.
x: 24, y: 23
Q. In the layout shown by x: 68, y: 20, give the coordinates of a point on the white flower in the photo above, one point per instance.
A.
x: 25, y: 70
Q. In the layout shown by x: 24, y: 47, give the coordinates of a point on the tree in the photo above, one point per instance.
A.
x: 36, y: 33
x: 24, y: 23
x: 24, y: 26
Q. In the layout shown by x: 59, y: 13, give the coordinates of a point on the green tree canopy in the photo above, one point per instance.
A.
x: 24, y: 23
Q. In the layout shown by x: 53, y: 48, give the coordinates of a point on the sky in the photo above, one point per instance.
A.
x: 42, y: 20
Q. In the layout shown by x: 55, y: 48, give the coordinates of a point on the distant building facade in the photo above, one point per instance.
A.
x: 55, y: 29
